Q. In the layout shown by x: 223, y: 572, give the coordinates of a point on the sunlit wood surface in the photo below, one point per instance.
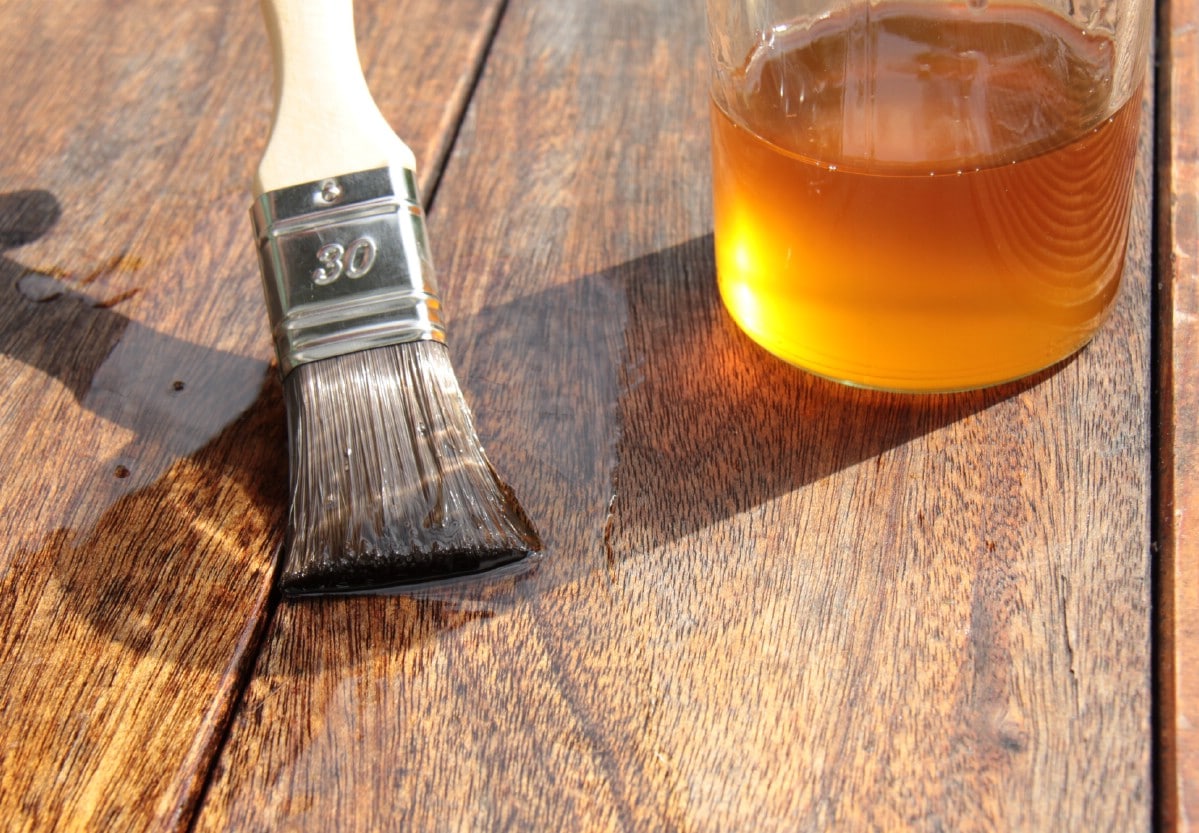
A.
x: 769, y: 603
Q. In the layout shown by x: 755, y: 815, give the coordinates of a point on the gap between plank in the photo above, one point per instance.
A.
x: 1163, y: 763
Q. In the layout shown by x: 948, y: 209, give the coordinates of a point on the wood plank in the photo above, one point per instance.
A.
x: 1178, y: 358
x: 769, y: 603
x: 141, y: 424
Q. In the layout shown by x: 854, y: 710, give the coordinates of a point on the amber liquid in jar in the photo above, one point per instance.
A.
x: 930, y: 198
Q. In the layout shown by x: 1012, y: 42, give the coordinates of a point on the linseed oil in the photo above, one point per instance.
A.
x: 923, y: 197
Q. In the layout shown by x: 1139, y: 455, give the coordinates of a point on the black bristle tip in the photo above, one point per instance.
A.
x: 376, y: 572
x: 390, y: 485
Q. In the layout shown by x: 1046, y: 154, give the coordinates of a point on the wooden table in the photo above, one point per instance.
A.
x: 770, y: 603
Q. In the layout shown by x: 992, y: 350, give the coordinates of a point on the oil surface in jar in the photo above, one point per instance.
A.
x: 930, y: 198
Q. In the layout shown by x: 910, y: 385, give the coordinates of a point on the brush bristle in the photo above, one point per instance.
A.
x: 390, y: 484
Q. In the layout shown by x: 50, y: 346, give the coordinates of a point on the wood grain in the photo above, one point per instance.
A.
x: 769, y: 603
x: 140, y: 420
x: 1178, y: 384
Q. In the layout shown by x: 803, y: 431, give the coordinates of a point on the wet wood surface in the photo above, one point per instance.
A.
x: 141, y: 424
x: 768, y: 603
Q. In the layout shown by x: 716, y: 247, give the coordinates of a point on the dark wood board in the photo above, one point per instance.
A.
x: 769, y: 602
x: 141, y: 424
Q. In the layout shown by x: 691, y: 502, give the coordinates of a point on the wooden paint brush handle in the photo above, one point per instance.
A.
x: 325, y: 121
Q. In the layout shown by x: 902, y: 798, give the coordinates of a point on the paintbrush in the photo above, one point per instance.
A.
x: 390, y: 486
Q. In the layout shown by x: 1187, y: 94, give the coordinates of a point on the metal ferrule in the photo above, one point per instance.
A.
x: 345, y: 266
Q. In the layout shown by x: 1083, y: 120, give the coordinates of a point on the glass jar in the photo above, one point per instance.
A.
x: 919, y: 195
